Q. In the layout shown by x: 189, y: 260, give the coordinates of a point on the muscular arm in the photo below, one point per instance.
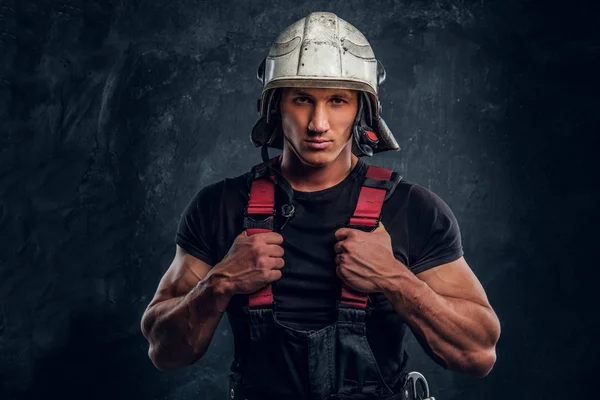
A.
x: 448, y: 310
x: 181, y: 319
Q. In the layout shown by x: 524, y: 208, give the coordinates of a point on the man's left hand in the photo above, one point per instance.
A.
x: 365, y: 260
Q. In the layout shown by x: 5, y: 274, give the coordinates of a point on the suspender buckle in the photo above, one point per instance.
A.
x: 252, y: 221
x: 363, y: 224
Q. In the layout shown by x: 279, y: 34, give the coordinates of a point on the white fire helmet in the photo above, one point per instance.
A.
x: 323, y: 51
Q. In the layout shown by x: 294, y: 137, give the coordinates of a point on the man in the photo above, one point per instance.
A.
x: 318, y: 296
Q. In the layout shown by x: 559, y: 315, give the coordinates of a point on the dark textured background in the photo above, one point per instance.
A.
x: 114, y: 113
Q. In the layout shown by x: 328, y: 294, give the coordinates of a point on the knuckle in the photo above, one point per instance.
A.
x: 262, y: 261
x: 239, y: 240
x: 260, y: 251
x: 256, y: 238
x: 343, y: 247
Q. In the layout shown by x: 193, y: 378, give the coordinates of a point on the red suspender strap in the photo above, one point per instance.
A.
x: 366, y: 217
x: 259, y: 219
x: 260, y: 205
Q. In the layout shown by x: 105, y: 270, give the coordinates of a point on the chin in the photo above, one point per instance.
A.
x: 316, y: 159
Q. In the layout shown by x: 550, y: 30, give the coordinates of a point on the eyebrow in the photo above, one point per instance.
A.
x: 341, y: 95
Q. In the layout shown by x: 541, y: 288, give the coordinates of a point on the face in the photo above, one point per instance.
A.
x: 317, y: 123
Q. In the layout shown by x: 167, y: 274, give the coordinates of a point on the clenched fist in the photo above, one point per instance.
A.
x: 252, y: 262
x: 365, y: 260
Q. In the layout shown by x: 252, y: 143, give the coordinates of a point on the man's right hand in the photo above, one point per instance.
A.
x: 252, y: 263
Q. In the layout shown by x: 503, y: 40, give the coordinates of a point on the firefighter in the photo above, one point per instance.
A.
x: 320, y: 260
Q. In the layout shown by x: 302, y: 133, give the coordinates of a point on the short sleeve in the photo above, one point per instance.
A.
x: 195, y: 229
x: 433, y: 232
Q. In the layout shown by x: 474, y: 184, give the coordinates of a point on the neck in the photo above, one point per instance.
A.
x: 306, y: 178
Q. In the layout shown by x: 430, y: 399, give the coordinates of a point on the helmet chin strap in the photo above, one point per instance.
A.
x: 287, y: 209
x: 264, y: 152
x: 272, y: 103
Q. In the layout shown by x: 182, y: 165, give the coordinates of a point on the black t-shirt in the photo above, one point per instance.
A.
x: 422, y: 227
x: 423, y: 230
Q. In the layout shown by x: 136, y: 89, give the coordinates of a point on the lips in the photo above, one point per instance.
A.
x: 318, y: 143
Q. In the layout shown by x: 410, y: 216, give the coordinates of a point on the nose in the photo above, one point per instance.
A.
x: 319, y: 121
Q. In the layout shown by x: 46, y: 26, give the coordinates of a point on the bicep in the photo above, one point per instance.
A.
x: 455, y: 279
x: 183, y: 274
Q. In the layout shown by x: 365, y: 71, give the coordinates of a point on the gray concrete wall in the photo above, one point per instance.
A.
x: 114, y: 113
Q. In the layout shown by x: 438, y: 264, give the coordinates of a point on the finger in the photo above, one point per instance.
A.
x: 273, y: 250
x: 277, y: 263
x: 274, y: 275
x: 271, y: 263
x: 380, y: 227
x: 272, y: 238
x: 342, y: 233
x: 338, y: 271
x: 339, y: 247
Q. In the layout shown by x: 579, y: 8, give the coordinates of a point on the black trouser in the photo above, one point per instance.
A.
x: 335, y: 362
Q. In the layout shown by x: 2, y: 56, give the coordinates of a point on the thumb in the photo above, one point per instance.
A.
x: 380, y: 227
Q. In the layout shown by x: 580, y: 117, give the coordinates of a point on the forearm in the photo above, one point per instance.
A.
x: 461, y: 333
x: 180, y: 329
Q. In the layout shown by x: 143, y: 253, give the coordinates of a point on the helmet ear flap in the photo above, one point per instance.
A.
x: 260, y: 72
x: 272, y: 113
x: 267, y: 134
x: 368, y: 112
x: 267, y: 130
x: 360, y: 148
x: 365, y: 140
x: 380, y: 73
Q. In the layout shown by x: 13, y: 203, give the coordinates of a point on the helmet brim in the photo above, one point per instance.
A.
x: 319, y: 82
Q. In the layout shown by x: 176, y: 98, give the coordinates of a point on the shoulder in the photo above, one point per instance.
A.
x: 422, y: 199
x: 212, y: 215
x: 417, y: 210
x: 405, y: 190
x: 424, y: 230
x: 227, y: 188
x: 433, y: 230
x: 212, y: 203
x: 419, y: 206
x: 411, y: 195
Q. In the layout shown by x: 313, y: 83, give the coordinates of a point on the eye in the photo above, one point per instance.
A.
x: 302, y: 100
x: 337, y: 100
